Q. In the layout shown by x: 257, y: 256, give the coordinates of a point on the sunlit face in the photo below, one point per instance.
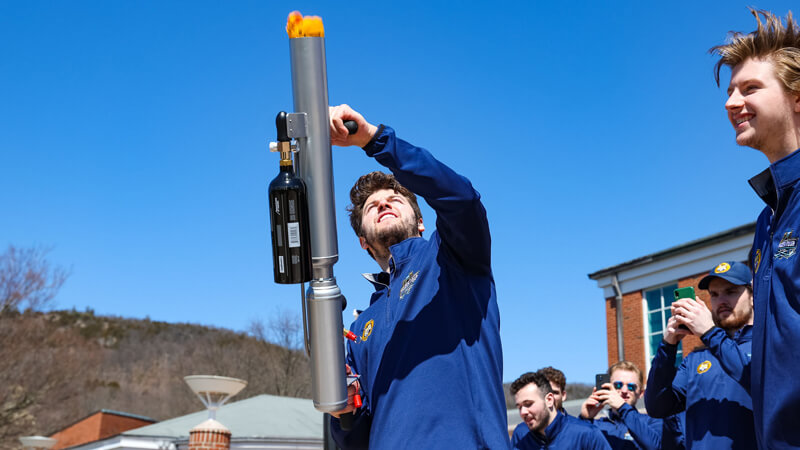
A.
x: 536, y: 411
x: 627, y: 377
x: 761, y: 111
x: 731, y: 305
x: 387, y: 219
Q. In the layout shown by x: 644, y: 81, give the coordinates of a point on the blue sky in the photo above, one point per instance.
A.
x: 133, y: 138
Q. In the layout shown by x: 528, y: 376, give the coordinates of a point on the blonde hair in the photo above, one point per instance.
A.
x: 771, y: 40
x: 630, y: 367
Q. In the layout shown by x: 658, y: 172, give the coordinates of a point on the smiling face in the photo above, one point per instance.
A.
x: 387, y: 219
x: 763, y: 113
x: 536, y: 411
x: 731, y: 305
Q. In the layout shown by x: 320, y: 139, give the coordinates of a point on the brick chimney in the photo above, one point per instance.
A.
x: 210, y: 435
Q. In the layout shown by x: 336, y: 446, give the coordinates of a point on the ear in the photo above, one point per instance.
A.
x: 420, y: 226
x: 550, y: 400
x: 563, y: 395
x: 796, y: 102
x: 363, y: 243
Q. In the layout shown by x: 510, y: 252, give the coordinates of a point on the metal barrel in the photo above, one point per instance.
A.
x: 314, y: 164
x: 328, y: 378
x: 315, y: 167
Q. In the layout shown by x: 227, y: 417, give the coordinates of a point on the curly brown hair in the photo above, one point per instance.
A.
x: 369, y: 184
x: 771, y: 40
x: 555, y: 376
x: 537, y: 378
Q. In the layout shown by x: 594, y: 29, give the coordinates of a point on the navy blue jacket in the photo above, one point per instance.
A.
x: 718, y: 408
x: 776, y: 299
x: 430, y: 357
x: 629, y: 429
x: 566, y: 432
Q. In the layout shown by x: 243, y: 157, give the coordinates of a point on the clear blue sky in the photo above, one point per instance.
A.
x: 133, y: 138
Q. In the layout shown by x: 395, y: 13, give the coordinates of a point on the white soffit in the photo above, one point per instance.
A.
x: 675, y: 267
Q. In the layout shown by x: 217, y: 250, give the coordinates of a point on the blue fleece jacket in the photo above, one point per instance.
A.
x: 774, y: 380
x: 718, y: 408
x: 430, y: 357
x: 565, y: 432
x: 629, y: 429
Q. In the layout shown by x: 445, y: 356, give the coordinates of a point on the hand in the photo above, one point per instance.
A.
x: 592, y: 405
x: 339, y: 134
x: 694, y: 314
x: 351, y: 392
x: 673, y: 334
x: 610, y: 397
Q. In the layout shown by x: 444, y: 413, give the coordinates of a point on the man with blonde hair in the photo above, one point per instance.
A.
x: 624, y: 427
x: 764, y: 108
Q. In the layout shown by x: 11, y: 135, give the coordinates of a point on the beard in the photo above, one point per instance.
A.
x: 381, y: 240
x: 735, y: 320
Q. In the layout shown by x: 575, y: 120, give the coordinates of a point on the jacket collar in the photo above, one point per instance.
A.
x: 780, y: 174
x: 744, y: 335
x: 552, y: 430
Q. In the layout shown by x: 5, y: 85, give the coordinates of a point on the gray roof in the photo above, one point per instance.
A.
x: 263, y: 416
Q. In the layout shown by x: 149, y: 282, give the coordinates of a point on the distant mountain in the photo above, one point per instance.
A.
x: 60, y: 366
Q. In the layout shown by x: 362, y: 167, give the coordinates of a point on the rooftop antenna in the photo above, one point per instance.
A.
x: 37, y: 442
x: 214, y: 390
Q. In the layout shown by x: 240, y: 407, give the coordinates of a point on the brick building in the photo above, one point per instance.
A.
x: 96, y: 426
x: 638, y: 293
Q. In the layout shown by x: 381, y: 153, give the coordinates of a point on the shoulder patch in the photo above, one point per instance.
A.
x: 757, y: 260
x: 722, y: 268
x: 367, y: 329
x: 704, y: 366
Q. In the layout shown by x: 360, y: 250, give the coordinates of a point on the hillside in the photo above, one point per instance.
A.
x: 60, y: 366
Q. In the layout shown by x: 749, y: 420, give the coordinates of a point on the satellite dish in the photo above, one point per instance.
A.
x: 214, y: 390
x: 37, y: 442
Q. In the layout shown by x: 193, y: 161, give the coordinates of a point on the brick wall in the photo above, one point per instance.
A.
x: 633, y: 324
x: 209, y: 440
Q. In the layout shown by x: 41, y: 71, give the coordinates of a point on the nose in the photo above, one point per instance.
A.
x: 735, y: 101
x: 385, y: 203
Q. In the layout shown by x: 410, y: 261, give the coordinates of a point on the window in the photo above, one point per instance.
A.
x: 657, y: 303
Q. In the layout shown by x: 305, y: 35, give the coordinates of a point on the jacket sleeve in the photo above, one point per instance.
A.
x: 358, y: 436
x: 734, y: 361
x: 666, y: 386
x: 460, y: 216
x: 595, y: 440
x: 645, y: 430
x: 672, y: 433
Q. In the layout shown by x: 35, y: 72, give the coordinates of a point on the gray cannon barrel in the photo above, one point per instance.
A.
x: 314, y: 165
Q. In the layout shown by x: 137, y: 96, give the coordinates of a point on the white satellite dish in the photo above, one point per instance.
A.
x: 37, y: 442
x: 214, y: 390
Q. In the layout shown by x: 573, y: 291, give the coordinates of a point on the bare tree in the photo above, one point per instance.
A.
x: 27, y: 279
x: 285, y: 330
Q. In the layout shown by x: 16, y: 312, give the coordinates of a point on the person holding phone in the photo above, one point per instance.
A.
x: 719, y: 412
x: 624, y: 427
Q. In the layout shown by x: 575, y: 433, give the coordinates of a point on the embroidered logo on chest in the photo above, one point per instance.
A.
x: 367, y: 330
x: 757, y: 260
x: 408, y: 283
x: 703, y: 367
x: 787, y: 246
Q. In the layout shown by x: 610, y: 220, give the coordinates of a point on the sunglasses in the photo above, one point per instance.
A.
x: 631, y: 386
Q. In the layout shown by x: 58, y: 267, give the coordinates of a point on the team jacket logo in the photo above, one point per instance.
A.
x: 722, y: 268
x: 704, y: 366
x: 367, y: 330
x: 787, y: 246
x: 408, y: 284
x: 757, y: 260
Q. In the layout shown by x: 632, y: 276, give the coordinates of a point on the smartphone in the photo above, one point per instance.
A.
x: 686, y: 292
x: 600, y: 379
